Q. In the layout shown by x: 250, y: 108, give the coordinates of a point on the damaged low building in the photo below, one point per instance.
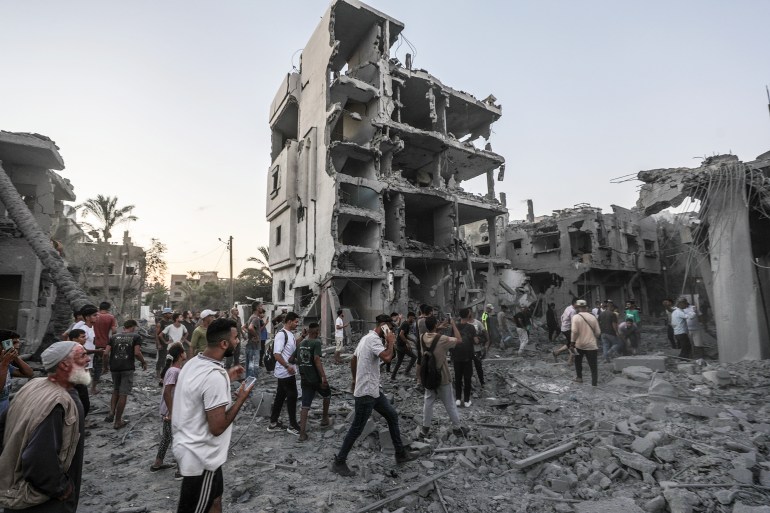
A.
x: 580, y: 252
x: 27, y: 291
x: 730, y: 244
x: 364, y: 194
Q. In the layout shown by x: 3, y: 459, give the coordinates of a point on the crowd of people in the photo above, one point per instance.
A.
x: 198, y: 357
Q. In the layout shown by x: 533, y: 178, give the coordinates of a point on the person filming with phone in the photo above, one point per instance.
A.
x: 202, y: 417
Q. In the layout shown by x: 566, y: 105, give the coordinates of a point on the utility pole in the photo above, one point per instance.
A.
x: 230, y: 247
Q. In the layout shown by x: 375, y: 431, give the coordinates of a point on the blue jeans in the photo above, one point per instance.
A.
x: 252, y: 362
x: 363, y: 410
x: 611, y: 343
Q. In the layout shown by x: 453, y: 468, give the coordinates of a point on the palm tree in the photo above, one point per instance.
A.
x: 263, y: 262
x: 106, y: 211
x: 40, y: 243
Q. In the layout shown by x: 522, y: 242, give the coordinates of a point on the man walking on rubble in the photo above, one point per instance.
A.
x: 583, y: 334
x: 202, y: 417
x: 119, y: 356
x: 404, y: 346
x: 489, y: 320
x: 444, y: 393
x: 523, y: 320
x: 313, y: 376
x: 668, y: 308
x: 284, y: 347
x: 608, y: 324
x: 679, y: 318
x: 566, y: 329
x: 368, y: 396
x: 339, y: 335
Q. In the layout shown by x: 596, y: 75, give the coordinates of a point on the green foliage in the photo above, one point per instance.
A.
x: 156, y: 297
x: 154, y: 264
x: 107, y: 214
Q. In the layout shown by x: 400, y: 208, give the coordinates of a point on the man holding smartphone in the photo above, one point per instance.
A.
x: 11, y: 366
x: 202, y: 418
x: 366, y: 390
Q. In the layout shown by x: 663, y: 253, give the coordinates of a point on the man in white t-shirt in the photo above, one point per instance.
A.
x: 174, y: 332
x: 339, y: 335
x: 365, y: 367
x: 284, y: 347
x: 89, y: 314
x: 202, y: 418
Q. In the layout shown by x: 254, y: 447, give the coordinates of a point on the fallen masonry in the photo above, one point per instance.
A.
x: 704, y: 448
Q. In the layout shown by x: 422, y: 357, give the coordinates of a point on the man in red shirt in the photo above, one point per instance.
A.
x: 105, y: 326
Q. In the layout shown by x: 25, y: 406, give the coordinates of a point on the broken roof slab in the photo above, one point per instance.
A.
x: 467, y: 161
x: 346, y: 88
x: 288, y: 91
x: 30, y: 150
x: 351, y: 21
x: 465, y: 113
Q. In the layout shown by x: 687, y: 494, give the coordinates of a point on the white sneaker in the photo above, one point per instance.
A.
x: 468, y: 404
x: 458, y: 402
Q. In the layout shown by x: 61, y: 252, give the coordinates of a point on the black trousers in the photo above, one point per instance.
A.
x: 479, y: 368
x: 685, y: 347
x: 671, y: 337
x: 592, y: 355
x: 463, y: 374
x: 400, y: 354
x: 287, y: 391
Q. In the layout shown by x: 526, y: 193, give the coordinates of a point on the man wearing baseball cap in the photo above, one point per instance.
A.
x: 42, y: 459
x: 198, y: 339
x: 365, y: 367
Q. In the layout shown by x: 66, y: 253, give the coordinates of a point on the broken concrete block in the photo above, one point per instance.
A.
x: 661, y: 387
x: 369, y: 428
x: 514, y: 436
x: 686, y: 368
x: 764, y: 477
x: 742, y: 475
x: 656, y: 363
x: 718, y: 377
x: 745, y: 508
x: 746, y: 460
x: 655, y: 505
x: 665, y: 453
x: 656, y: 411
x: 267, y: 404
x: 608, y: 506
x: 637, y: 373
x: 706, y: 412
x: 594, y: 478
x: 680, y: 500
x: 559, y: 485
x: 725, y: 497
x: 635, y: 461
x: 646, y: 445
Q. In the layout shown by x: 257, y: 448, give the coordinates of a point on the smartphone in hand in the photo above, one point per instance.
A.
x: 249, y: 383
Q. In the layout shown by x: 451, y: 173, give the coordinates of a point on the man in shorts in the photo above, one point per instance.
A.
x: 339, y: 335
x: 202, y: 417
x: 313, y: 377
x: 105, y: 326
x: 120, y: 353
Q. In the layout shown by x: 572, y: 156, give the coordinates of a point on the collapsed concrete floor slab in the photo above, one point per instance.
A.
x: 670, y: 441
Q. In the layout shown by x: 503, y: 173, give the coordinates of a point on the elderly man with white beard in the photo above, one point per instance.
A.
x: 42, y: 456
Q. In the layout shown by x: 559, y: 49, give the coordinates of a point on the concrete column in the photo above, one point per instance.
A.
x: 739, y: 319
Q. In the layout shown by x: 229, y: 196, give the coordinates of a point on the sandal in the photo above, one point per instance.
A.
x: 123, y: 423
x: 162, y: 466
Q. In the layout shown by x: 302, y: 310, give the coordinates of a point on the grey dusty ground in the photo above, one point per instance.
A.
x: 636, y: 438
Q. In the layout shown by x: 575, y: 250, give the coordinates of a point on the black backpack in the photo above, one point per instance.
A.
x: 269, y: 359
x: 430, y: 370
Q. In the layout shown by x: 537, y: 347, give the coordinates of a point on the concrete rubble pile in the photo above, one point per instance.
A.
x: 690, y: 438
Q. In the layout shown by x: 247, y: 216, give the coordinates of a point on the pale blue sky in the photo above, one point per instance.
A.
x: 164, y: 104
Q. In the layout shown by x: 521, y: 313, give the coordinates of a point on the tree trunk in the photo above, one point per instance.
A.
x: 40, y: 243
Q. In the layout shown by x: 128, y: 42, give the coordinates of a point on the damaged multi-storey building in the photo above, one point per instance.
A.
x: 364, y: 193
x: 582, y: 253
x: 27, y: 290
x: 730, y: 243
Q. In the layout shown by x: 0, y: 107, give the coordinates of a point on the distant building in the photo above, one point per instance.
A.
x: 580, y: 252
x: 182, y: 283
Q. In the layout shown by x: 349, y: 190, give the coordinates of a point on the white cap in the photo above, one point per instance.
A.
x: 207, y: 313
